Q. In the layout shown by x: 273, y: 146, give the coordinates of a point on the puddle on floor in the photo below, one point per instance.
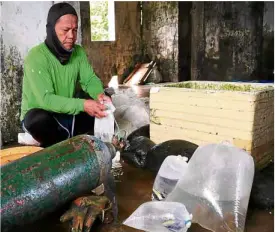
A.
x: 133, y: 189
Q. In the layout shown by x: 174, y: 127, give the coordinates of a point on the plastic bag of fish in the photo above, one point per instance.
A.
x: 160, y: 217
x: 104, y: 127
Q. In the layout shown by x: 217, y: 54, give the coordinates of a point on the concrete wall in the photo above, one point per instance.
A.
x: 268, y: 41
x: 228, y: 40
x: 160, y: 36
x: 218, y: 40
x: 104, y: 55
x: 185, y: 40
x: 23, y: 25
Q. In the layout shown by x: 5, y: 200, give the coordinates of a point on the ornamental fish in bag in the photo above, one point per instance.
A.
x: 160, y: 216
x: 216, y: 187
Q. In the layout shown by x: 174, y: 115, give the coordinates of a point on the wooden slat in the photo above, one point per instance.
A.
x: 174, y: 132
x: 176, y: 94
x: 211, y: 114
x: 223, y: 130
x: 11, y: 154
x: 160, y: 138
x: 216, y: 126
x: 177, y: 133
x: 194, y: 112
x: 216, y: 103
x: 201, y: 93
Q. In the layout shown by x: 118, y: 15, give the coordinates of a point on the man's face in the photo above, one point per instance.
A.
x: 66, y: 30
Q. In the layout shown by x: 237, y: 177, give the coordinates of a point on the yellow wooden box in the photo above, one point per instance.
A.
x: 212, y: 112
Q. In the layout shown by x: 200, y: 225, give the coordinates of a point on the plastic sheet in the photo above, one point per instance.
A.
x: 216, y: 187
x: 160, y: 217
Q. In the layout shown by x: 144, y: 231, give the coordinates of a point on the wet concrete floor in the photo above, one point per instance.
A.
x: 133, y: 189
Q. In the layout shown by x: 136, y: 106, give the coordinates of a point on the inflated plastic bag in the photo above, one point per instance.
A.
x: 160, y: 217
x: 171, y: 170
x: 216, y: 187
x: 104, y: 127
x: 131, y: 112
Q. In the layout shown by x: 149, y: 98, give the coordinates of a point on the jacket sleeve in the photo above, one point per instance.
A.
x: 89, y: 82
x: 40, y: 84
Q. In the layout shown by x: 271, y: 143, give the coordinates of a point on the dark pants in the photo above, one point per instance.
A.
x: 49, y: 128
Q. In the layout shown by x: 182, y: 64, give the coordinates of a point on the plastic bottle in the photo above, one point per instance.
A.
x: 171, y: 170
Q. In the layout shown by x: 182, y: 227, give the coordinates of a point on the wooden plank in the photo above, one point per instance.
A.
x: 136, y: 77
x: 196, y: 120
x: 211, y: 114
x: 261, y: 158
x: 212, y: 103
x: 192, y: 134
x: 14, y: 153
x: 215, y: 129
x: 208, y: 125
x: 266, y: 92
x: 177, y: 133
x: 136, y: 68
x: 189, y: 94
x: 190, y: 112
x: 159, y: 138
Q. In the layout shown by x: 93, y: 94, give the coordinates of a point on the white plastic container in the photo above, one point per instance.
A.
x: 216, y: 187
x: 160, y: 217
x: 171, y: 170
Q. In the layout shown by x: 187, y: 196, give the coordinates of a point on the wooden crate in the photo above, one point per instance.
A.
x: 211, y: 112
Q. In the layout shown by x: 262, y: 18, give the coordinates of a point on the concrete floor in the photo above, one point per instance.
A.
x: 134, y: 189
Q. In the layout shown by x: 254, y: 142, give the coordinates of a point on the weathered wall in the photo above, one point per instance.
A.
x: 184, y: 40
x: 227, y: 40
x: 268, y: 41
x: 119, y: 53
x: 160, y: 36
x: 23, y: 25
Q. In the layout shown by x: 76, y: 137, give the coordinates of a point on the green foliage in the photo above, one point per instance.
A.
x: 99, y: 20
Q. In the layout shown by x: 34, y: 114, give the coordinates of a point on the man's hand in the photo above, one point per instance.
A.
x: 103, y: 98
x: 94, y: 108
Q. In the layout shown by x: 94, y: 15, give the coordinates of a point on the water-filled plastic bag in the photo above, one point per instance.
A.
x: 216, y: 187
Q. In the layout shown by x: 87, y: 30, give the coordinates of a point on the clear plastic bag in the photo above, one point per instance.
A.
x: 216, y: 187
x: 131, y: 112
x: 171, y: 170
x: 160, y: 217
x: 104, y: 127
